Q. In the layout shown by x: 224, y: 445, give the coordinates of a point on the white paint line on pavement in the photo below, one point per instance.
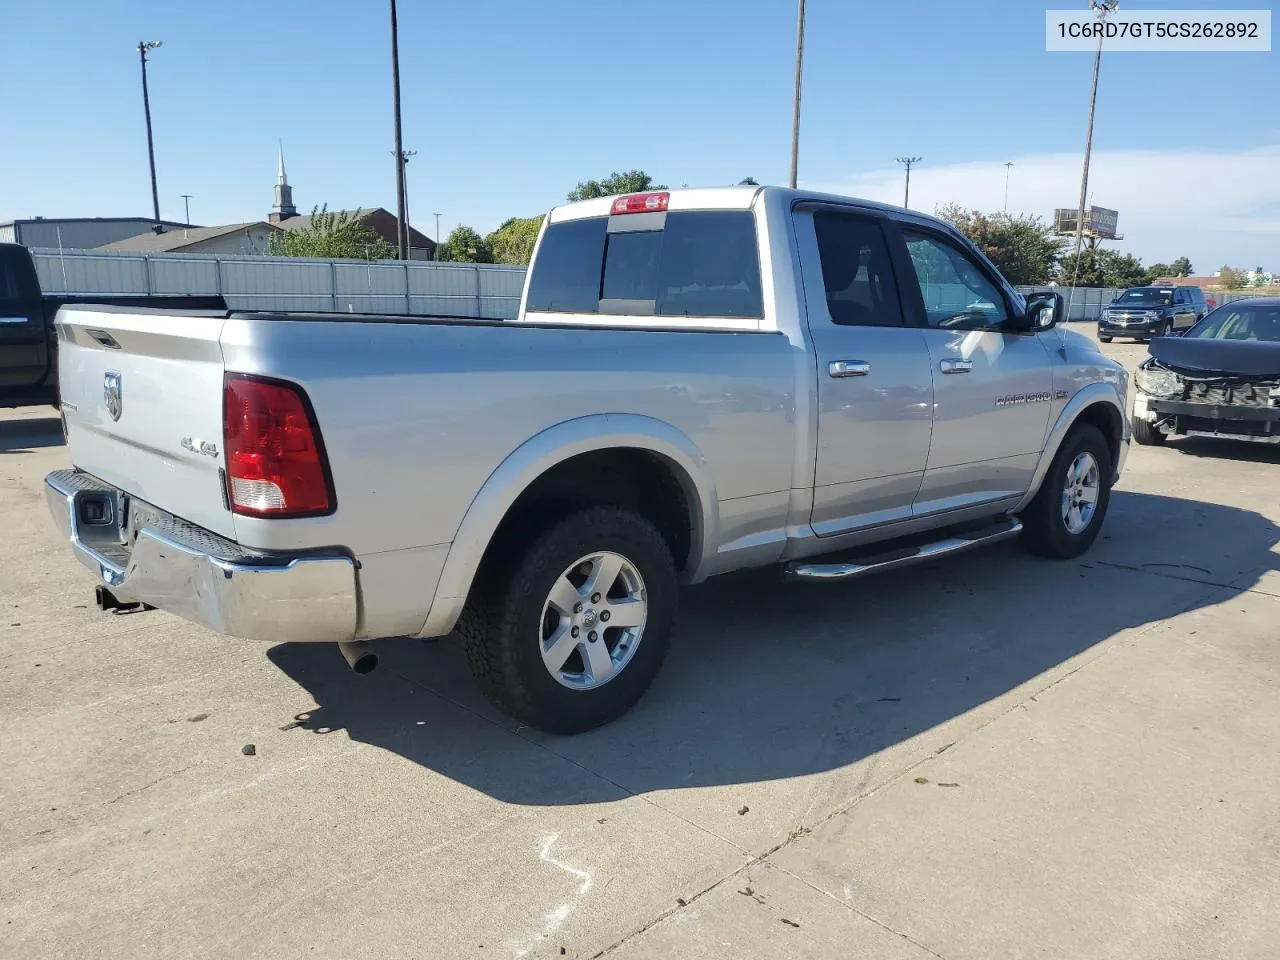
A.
x: 554, y: 919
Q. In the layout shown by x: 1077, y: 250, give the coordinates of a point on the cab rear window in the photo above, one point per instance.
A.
x: 686, y: 264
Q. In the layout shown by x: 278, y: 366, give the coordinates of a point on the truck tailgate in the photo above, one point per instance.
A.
x: 142, y: 397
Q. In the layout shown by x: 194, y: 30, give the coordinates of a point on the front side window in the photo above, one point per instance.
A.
x: 957, y: 294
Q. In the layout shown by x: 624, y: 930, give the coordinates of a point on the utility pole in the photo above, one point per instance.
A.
x: 437, y: 256
x: 186, y: 206
x: 405, y: 157
x: 1007, y: 167
x: 143, y: 47
x: 795, y: 109
x: 402, y: 227
x: 1102, y: 8
x: 907, y: 162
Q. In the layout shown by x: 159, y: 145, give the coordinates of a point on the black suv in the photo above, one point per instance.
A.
x: 1146, y: 312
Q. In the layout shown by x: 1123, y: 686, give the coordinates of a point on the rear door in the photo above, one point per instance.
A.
x: 142, y: 397
x: 24, y: 350
x: 875, y: 390
x: 1186, y: 313
x: 992, y: 392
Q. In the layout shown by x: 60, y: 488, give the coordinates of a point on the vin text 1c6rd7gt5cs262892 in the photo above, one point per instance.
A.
x: 698, y: 381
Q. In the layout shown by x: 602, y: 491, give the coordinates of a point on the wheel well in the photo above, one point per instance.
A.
x: 638, y: 480
x: 1107, y: 419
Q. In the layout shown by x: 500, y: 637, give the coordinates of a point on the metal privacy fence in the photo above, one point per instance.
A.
x: 486, y: 291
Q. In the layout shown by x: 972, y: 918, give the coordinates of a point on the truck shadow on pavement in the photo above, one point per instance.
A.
x: 1218, y: 449
x: 768, y: 680
x: 20, y: 436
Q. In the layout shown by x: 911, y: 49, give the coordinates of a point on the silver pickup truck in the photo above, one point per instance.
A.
x: 698, y: 381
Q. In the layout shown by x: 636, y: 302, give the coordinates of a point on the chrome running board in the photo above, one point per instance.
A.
x: 900, y: 557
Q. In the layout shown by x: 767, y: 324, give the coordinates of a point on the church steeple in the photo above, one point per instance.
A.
x: 284, y: 208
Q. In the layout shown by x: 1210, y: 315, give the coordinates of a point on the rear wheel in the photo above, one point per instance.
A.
x: 1146, y: 433
x: 1064, y: 518
x: 567, y: 633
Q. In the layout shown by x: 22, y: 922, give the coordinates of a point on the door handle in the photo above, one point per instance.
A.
x: 848, y: 368
x: 953, y: 365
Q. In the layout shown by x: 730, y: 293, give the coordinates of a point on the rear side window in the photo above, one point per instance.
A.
x: 856, y: 271
x: 690, y: 264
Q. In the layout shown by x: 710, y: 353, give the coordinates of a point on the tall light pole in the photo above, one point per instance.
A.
x: 143, y: 47
x: 437, y: 236
x: 1102, y: 8
x: 405, y: 157
x: 795, y: 107
x: 906, y: 192
x: 1007, y: 168
x: 402, y: 227
x: 186, y: 206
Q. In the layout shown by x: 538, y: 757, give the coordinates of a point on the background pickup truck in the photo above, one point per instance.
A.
x: 699, y: 381
x: 28, y: 343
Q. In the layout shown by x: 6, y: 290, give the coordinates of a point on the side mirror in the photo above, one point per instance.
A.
x: 1044, y: 312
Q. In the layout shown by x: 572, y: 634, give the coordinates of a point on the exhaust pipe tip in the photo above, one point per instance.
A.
x: 359, y: 655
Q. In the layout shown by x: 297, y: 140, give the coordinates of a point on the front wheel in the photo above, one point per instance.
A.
x: 566, y: 632
x: 1104, y: 339
x: 1146, y: 433
x: 1064, y: 518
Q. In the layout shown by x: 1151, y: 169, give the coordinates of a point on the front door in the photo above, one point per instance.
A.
x: 875, y: 391
x: 992, y: 388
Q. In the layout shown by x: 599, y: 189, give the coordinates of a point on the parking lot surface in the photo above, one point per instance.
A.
x: 992, y: 756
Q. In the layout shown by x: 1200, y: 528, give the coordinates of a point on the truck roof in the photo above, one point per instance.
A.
x: 719, y: 198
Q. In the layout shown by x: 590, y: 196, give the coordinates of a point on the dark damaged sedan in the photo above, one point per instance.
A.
x: 1220, y: 379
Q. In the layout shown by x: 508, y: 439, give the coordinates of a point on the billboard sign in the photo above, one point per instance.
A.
x: 1098, y: 222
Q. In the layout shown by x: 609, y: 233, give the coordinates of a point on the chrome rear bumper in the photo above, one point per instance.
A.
x: 186, y: 570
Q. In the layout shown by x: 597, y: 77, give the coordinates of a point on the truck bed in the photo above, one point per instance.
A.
x: 415, y: 414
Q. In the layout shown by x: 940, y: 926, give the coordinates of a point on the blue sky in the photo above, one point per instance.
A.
x: 509, y: 104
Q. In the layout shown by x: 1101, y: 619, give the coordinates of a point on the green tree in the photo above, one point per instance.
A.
x: 1022, y: 247
x: 633, y: 181
x: 330, y: 235
x: 1155, y: 272
x: 1120, y: 269
x: 1182, y: 267
x: 1089, y: 274
x: 464, y: 245
x: 1230, y: 278
x: 513, y: 241
x: 748, y: 182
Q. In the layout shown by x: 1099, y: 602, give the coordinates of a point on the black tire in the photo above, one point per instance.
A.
x: 1146, y: 434
x: 1167, y: 329
x: 1044, y: 531
x: 501, y: 623
x: 1104, y: 339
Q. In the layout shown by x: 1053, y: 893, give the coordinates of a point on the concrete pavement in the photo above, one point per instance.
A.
x: 995, y: 756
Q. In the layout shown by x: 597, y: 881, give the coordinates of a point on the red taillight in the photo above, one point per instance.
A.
x: 641, y: 203
x: 275, y: 460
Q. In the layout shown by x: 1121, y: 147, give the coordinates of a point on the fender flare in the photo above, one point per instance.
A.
x: 542, y: 452
x: 1101, y: 392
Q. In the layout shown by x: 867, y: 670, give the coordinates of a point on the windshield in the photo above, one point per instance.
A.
x: 1240, y: 322
x: 1147, y: 297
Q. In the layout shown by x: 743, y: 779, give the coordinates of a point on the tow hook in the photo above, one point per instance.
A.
x: 108, y: 602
